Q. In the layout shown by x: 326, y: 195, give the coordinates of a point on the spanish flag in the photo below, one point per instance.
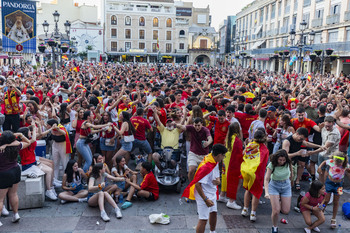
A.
x: 248, y: 96
x: 76, y: 69
x: 204, y: 168
x: 68, y: 145
x: 255, y: 157
x: 65, y: 57
x: 158, y: 43
x: 309, y: 77
x: 231, y: 168
x: 80, y: 86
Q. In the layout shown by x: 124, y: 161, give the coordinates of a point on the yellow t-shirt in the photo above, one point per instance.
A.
x: 169, y: 138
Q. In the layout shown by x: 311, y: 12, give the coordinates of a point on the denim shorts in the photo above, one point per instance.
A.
x: 77, y: 189
x: 143, y: 145
x: 127, y: 146
x: 27, y: 166
x: 280, y: 187
x: 332, y: 187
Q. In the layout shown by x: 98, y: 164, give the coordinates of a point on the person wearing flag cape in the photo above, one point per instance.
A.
x: 204, y: 188
x: 255, y: 157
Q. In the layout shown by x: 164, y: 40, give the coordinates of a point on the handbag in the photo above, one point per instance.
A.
x: 108, y: 142
x: 129, y: 138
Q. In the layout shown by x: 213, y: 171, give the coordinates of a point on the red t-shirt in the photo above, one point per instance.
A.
x: 272, y: 123
x: 307, y: 123
x: 175, y: 105
x: 140, y: 124
x: 28, y: 154
x: 162, y: 116
x: 150, y: 184
x: 220, y: 130
x: 245, y: 120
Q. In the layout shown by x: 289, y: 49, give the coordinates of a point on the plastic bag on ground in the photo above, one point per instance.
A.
x: 159, y: 218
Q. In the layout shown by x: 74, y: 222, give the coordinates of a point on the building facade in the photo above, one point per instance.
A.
x: 264, y: 26
x: 153, y: 31
x: 227, y: 33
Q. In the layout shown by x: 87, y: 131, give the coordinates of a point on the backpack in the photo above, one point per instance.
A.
x: 346, y: 209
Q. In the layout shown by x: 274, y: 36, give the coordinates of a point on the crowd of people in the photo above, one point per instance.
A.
x: 234, y: 127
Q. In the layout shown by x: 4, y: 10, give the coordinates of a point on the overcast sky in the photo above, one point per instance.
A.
x: 219, y: 9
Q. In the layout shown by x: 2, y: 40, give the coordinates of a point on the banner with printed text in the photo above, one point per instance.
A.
x: 18, y: 26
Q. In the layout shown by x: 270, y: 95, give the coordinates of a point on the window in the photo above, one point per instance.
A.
x: 127, y: 46
x: 168, y: 48
x: 348, y: 34
x: 168, y: 23
x: 307, y: 3
x: 267, y: 13
x: 279, y: 9
x: 295, y: 5
x: 287, y: 7
x: 127, y: 20
x: 127, y: 33
x: 261, y: 15
x: 114, y: 20
x: 142, y: 34
x: 182, y: 33
x: 181, y: 46
x: 114, y: 46
x: 294, y: 22
x: 335, y: 9
x: 113, y: 32
x: 202, y: 19
x: 168, y: 35
x: 317, y: 39
x: 203, y: 44
x: 284, y: 41
x: 332, y: 36
x: 155, y: 22
x: 154, y: 47
x: 142, y: 21
x: 271, y: 43
x: 155, y: 34
x: 273, y: 11
x: 319, y: 13
x: 306, y: 17
x: 141, y: 45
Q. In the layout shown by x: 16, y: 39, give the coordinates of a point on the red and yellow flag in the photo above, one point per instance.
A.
x: 248, y: 96
x: 65, y: 57
x: 158, y: 43
x: 309, y: 77
x: 255, y: 157
x: 68, y: 145
x: 204, y: 168
x: 231, y: 168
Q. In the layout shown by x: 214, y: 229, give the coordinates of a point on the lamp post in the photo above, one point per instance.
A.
x: 302, y: 42
x: 56, y: 35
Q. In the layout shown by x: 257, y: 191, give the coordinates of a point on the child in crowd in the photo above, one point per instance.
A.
x: 336, y: 168
x: 148, y: 188
x: 313, y: 202
x: 97, y: 194
x: 72, y: 185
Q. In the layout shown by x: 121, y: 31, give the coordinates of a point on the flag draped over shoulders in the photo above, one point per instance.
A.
x: 68, y: 145
x: 255, y: 157
x: 204, y: 168
x: 231, y: 169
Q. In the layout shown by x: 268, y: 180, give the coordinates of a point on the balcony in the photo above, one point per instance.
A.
x: 114, y: 49
x: 347, y: 16
x: 332, y: 19
x: 180, y: 50
x: 201, y: 49
x: 181, y: 21
x: 316, y: 22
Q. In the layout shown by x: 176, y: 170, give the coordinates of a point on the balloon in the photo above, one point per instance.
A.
x: 291, y: 63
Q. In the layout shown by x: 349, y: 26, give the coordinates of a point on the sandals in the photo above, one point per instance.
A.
x: 297, y: 186
x: 333, y: 223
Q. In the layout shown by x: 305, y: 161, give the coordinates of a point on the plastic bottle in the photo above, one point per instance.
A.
x: 321, y: 206
x: 339, y: 230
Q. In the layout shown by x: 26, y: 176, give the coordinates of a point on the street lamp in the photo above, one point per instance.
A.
x: 301, y: 43
x: 56, y: 35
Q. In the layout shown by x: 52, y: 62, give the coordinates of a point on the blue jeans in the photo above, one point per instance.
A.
x: 85, y: 151
x: 280, y: 187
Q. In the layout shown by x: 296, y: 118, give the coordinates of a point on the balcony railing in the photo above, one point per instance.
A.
x: 332, y: 19
x: 317, y: 22
x: 114, y: 49
x: 347, y: 16
x: 201, y: 49
x: 180, y: 50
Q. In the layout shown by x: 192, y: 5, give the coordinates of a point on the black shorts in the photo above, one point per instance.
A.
x: 149, y: 198
x: 10, y: 177
x: 301, y: 159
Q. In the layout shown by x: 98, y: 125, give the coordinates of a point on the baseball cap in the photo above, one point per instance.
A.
x: 271, y: 109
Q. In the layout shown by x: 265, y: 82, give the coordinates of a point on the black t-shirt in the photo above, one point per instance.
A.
x: 317, y: 136
x: 294, y: 146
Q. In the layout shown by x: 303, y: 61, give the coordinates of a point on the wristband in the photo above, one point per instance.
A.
x: 99, y: 186
x: 205, y: 199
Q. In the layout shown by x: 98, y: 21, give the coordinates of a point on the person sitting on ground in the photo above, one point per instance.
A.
x: 148, y: 188
x: 313, y: 202
x: 71, y: 183
x: 123, y: 171
x: 97, y: 194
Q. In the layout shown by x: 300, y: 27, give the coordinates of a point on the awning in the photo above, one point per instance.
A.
x: 4, y: 56
x: 258, y: 29
x: 257, y: 44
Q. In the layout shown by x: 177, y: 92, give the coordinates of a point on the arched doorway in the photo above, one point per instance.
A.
x: 202, y: 59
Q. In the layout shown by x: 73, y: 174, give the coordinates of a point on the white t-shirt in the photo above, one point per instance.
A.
x: 253, y: 127
x: 233, y: 120
x: 208, y: 187
x: 114, y: 114
x: 121, y: 172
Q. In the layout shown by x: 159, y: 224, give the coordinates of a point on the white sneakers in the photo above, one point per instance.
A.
x: 118, y: 213
x: 104, y: 216
x: 4, y: 211
x: 307, y: 230
x: 245, y: 212
x: 233, y: 205
x: 223, y: 199
x: 15, y: 218
x: 50, y: 194
x: 316, y: 229
x: 83, y: 200
x: 253, y: 217
x: 57, y: 183
x: 63, y: 202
